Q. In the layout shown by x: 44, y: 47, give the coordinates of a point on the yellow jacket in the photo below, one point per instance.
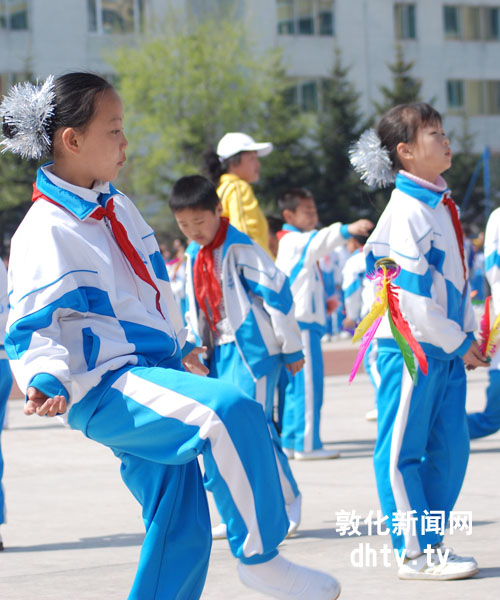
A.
x: 241, y: 207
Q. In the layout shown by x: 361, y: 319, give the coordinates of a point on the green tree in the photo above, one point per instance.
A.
x: 293, y: 162
x: 183, y: 89
x: 339, y: 193
x: 459, y: 175
x: 405, y: 88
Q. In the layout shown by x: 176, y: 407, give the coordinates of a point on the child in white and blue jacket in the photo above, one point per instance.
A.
x: 488, y: 421
x: 5, y: 379
x: 249, y: 329
x: 301, y: 246
x: 422, y: 442
x: 94, y: 333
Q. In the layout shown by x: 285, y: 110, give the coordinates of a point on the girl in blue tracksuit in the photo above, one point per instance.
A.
x: 422, y: 444
x: 94, y: 333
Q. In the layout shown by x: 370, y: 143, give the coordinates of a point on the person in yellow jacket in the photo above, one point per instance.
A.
x: 233, y: 168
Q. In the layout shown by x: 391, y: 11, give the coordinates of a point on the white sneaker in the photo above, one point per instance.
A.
x: 283, y: 579
x: 452, y: 567
x: 320, y: 454
x: 372, y: 415
x: 289, y: 453
x: 219, y: 532
x: 293, y: 510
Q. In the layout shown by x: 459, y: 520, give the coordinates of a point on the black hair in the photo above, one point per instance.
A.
x: 401, y: 123
x: 291, y: 198
x: 195, y: 192
x: 275, y: 223
x: 214, y: 167
x: 74, y: 103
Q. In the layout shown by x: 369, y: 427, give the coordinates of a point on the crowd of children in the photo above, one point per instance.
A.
x: 96, y: 334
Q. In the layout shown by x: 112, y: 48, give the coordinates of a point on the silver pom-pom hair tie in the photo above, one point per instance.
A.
x: 371, y: 160
x: 27, y: 110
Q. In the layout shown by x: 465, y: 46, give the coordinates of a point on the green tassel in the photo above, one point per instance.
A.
x: 405, y: 350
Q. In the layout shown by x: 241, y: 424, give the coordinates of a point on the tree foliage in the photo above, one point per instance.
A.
x: 405, y: 88
x: 182, y: 90
x: 338, y: 190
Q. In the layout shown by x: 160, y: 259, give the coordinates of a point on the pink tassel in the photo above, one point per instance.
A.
x: 365, y: 342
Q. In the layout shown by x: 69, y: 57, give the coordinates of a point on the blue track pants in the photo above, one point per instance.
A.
x: 487, y: 422
x: 304, y: 398
x: 157, y: 421
x: 226, y: 363
x: 422, y: 445
x: 5, y: 387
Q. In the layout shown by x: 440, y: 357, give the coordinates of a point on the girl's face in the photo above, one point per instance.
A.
x: 98, y: 152
x: 429, y: 155
x: 248, y: 167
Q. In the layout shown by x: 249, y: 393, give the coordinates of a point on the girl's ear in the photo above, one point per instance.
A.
x: 70, y: 140
x: 404, y: 151
x: 219, y: 210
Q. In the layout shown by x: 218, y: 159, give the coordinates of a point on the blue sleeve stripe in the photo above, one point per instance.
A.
x: 416, y: 284
x: 83, y: 299
x: 351, y: 289
x: 282, y: 300
x: 159, y: 266
x: 55, y: 281
x: 492, y: 260
x: 300, y: 264
x: 149, y: 235
x: 344, y: 230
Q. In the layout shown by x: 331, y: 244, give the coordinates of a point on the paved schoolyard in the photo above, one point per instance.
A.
x: 74, y: 531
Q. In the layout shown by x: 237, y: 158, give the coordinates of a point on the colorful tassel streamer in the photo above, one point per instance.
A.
x: 387, y: 300
x: 489, y: 335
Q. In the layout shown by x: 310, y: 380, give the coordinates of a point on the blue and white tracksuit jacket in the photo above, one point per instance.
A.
x: 422, y: 444
x: 298, y: 255
x: 83, y: 324
x: 359, y: 295
x: 488, y: 421
x: 259, y: 308
x: 5, y: 375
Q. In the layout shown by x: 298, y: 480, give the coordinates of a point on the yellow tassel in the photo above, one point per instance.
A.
x: 377, y: 309
x: 491, y: 344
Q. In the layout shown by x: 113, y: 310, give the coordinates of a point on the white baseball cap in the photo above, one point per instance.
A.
x: 235, y: 142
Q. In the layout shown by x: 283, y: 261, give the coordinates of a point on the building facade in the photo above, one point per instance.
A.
x: 455, y: 45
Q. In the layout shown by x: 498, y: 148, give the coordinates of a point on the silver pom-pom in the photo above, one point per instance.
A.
x: 371, y: 160
x: 27, y: 110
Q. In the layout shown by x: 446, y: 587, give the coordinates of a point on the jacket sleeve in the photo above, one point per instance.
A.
x: 323, y: 241
x: 492, y: 258
x: 47, y: 285
x: 352, y: 286
x: 266, y: 281
x: 241, y: 207
x: 408, y: 242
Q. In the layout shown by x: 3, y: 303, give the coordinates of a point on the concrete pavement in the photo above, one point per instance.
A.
x: 74, y: 531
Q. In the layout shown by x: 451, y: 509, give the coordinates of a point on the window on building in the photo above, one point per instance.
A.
x: 473, y: 23
x: 492, y: 23
x: 452, y: 22
x: 305, y: 17
x: 286, y: 23
x: 405, y: 21
x: 115, y: 16
x: 309, y: 96
x: 14, y: 15
x: 455, y: 94
x: 474, y: 97
x: 325, y: 17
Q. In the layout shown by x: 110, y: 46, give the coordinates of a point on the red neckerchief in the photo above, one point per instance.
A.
x: 206, y: 286
x: 121, y: 238
x: 281, y: 233
x: 455, y: 219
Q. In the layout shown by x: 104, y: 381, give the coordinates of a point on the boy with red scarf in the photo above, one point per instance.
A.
x: 240, y: 307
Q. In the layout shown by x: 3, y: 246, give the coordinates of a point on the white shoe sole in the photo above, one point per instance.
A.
x: 422, y: 575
